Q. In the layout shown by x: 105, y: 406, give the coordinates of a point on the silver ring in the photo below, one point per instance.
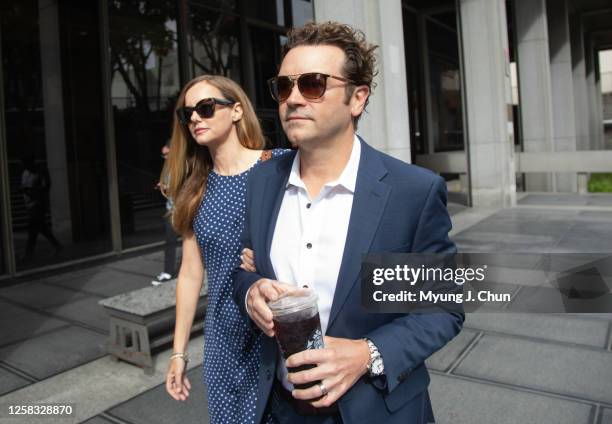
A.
x: 323, y: 389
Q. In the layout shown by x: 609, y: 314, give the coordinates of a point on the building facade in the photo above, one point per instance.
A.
x: 465, y: 87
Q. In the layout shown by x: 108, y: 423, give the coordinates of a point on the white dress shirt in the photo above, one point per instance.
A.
x: 310, y: 234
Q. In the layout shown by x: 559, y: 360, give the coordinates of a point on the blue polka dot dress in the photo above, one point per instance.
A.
x: 231, y: 355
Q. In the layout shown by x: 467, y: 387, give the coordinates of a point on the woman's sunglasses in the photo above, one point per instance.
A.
x: 312, y: 85
x: 205, y: 108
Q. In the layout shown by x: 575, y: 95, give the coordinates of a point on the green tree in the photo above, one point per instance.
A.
x: 139, y: 32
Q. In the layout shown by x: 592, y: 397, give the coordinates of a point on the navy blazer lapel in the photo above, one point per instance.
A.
x: 272, y: 198
x: 369, y: 202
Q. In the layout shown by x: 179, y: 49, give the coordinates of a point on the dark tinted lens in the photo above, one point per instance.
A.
x: 283, y: 88
x: 205, y: 108
x: 312, y: 86
x: 184, y: 115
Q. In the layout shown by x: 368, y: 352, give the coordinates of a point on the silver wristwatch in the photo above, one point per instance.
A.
x: 375, y: 366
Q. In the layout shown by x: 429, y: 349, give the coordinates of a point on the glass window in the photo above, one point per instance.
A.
x: 275, y: 11
x: 445, y: 86
x: 265, y: 48
x: 605, y: 72
x: 270, y: 11
x: 302, y: 12
x: 55, y: 134
x: 272, y: 129
x: 145, y: 85
x: 416, y: 96
x: 2, y: 250
x: 225, y: 5
x: 213, y: 43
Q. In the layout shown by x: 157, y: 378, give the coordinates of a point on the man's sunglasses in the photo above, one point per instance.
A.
x: 205, y: 108
x: 312, y: 85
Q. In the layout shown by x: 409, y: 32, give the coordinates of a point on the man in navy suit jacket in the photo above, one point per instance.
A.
x: 313, y: 214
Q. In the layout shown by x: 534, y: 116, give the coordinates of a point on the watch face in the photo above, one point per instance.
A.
x: 377, y: 367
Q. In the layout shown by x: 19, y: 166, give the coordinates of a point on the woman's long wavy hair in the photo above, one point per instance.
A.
x: 187, y: 166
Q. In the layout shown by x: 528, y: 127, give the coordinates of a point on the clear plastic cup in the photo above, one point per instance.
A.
x: 297, y: 325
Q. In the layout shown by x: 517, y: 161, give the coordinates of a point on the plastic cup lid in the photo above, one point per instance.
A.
x: 293, y: 301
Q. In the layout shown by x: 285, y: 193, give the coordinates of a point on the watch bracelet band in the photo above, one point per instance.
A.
x: 375, y: 358
x: 182, y: 355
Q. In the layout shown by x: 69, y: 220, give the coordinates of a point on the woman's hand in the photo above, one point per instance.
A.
x: 248, y: 260
x: 177, y: 383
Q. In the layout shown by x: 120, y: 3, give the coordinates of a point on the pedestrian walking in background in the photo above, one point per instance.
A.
x: 35, y: 186
x: 171, y: 243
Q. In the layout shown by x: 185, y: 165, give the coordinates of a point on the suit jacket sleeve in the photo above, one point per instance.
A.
x: 243, y: 280
x: 406, y: 342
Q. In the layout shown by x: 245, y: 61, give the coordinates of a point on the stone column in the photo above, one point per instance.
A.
x: 562, y: 89
x: 599, y: 116
x: 594, y: 97
x: 55, y: 138
x: 488, y: 100
x: 535, y: 89
x: 385, y: 125
x: 581, y: 105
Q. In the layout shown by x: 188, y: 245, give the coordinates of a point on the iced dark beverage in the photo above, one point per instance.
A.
x: 297, y: 326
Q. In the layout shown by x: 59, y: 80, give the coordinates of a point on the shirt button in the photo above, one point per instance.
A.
x: 308, y: 245
x: 308, y: 205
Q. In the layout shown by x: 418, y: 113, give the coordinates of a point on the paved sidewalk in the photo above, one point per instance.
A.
x: 539, y: 368
x: 506, y: 368
x: 59, y: 316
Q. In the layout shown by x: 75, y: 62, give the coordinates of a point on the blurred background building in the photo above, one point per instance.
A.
x: 497, y: 96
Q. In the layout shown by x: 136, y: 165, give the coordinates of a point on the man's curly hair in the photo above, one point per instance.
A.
x: 360, y: 63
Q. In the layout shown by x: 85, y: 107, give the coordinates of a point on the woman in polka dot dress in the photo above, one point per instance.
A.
x: 216, y: 140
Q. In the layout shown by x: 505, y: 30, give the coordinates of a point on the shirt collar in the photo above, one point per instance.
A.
x: 347, y: 179
x: 294, y: 176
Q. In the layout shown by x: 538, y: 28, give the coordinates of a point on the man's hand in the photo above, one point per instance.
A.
x: 260, y: 293
x: 338, y: 367
x: 248, y: 260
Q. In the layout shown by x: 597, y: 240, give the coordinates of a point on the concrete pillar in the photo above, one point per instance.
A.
x: 599, y: 116
x: 488, y: 100
x: 534, y: 85
x: 53, y: 107
x: 7, y: 259
x: 594, y: 96
x: 385, y: 125
x: 581, y: 105
x: 562, y: 89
